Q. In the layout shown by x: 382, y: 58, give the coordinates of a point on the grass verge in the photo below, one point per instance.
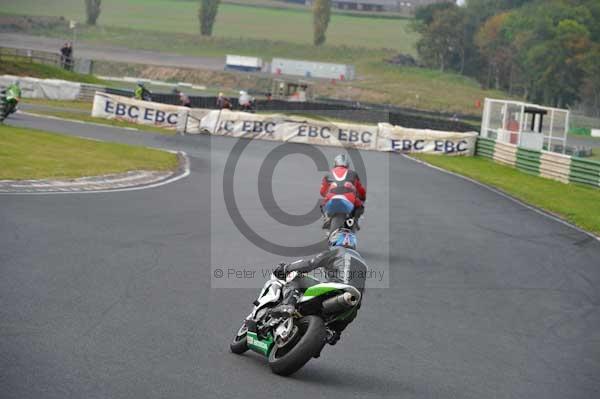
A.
x: 377, y: 80
x: 233, y: 21
x: 68, y: 105
x: 22, y: 67
x: 78, y: 116
x: 34, y: 154
x: 578, y: 204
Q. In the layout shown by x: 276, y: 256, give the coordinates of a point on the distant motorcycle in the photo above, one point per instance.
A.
x: 288, y: 343
x: 246, y: 102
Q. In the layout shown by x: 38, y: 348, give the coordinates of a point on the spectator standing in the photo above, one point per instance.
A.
x: 64, y: 50
x: 69, y: 57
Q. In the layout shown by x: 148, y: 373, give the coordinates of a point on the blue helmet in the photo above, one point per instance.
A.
x: 343, y: 238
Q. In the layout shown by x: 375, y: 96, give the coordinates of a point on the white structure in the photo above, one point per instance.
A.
x: 381, y: 5
x: 529, y: 126
x: 243, y: 63
x: 312, y: 69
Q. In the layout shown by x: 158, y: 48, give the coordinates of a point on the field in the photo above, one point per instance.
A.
x: 233, y: 21
x: 33, y: 154
x: 267, y: 32
x: 578, y: 204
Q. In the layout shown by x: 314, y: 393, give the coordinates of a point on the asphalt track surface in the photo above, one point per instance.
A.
x: 109, y: 295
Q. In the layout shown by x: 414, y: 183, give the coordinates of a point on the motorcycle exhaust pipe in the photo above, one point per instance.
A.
x: 340, y: 303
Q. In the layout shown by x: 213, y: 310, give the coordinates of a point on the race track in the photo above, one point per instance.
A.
x: 109, y: 295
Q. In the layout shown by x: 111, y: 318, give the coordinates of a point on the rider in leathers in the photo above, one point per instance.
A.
x: 12, y: 95
x: 341, y: 263
x: 343, y: 181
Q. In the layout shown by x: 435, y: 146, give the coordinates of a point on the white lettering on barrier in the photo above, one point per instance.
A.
x: 110, y: 106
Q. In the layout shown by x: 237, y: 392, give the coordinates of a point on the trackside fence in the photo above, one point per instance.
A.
x: 563, y: 168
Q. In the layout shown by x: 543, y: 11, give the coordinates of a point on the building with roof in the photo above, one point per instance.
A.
x: 402, y: 6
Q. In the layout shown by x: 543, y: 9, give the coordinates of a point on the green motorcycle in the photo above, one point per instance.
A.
x: 288, y: 343
x: 9, y: 99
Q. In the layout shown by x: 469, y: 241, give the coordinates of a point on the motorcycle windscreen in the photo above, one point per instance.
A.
x: 338, y: 205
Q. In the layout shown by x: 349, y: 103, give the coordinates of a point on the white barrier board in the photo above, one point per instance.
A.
x: 400, y: 139
x: 291, y: 129
x: 279, y: 127
x: 50, y: 89
x: 110, y: 106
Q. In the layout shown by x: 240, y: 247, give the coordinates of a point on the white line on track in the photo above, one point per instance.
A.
x: 507, y: 196
x: 173, y: 179
x: 77, y: 121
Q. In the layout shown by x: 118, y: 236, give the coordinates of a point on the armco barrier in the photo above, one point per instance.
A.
x: 505, y: 153
x: 555, y: 166
x: 485, y: 147
x: 585, y: 172
x: 528, y: 161
x: 563, y: 168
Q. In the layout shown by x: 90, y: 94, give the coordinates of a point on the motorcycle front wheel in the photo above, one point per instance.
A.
x: 239, y: 344
x: 3, y: 108
x: 307, y: 342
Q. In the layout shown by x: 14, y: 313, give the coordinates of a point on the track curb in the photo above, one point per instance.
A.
x: 128, y: 181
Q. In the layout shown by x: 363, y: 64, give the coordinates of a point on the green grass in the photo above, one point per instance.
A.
x: 22, y: 67
x: 378, y: 82
x: 33, y: 154
x: 233, y: 21
x: 73, y: 110
x: 69, y: 105
x: 270, y: 32
x: 575, y: 203
x: 295, y: 6
x: 109, y: 122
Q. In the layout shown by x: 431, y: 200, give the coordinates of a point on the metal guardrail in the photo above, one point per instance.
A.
x: 36, y: 56
x: 564, y: 168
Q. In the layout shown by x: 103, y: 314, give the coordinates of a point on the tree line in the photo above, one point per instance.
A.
x: 207, y: 14
x: 547, y: 51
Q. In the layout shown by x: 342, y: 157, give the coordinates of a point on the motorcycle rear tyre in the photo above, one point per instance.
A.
x: 309, y: 345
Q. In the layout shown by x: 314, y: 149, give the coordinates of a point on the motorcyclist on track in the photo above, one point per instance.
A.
x: 341, y: 263
x: 12, y: 96
x: 246, y: 101
x: 343, y: 181
x: 142, y: 93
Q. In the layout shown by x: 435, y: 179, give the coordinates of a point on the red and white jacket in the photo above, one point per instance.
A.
x: 343, y: 181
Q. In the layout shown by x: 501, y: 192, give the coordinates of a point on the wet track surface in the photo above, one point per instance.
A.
x: 109, y: 295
